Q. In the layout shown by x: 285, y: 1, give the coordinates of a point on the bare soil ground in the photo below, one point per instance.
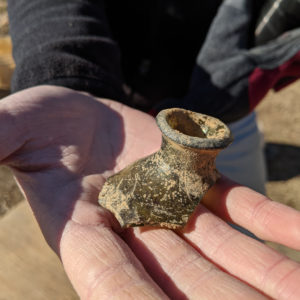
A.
x: 279, y: 119
x: 29, y: 270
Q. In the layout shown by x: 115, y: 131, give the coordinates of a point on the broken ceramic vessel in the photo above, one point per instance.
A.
x: 164, y: 188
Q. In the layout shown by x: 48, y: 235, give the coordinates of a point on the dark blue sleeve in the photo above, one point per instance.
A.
x: 66, y: 43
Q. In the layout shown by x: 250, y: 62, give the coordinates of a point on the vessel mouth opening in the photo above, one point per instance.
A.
x: 184, y: 123
x: 193, y: 130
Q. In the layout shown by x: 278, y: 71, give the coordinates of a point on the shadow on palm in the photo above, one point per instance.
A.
x: 67, y: 144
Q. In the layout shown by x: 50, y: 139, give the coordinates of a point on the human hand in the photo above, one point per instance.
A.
x: 63, y: 144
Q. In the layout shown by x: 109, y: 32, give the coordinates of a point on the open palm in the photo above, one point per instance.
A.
x: 63, y: 144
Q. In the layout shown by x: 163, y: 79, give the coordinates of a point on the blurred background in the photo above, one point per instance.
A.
x: 29, y: 269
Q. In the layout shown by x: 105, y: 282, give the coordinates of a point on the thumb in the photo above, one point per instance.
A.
x: 12, y: 135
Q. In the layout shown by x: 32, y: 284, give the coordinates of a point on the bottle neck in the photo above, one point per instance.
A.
x: 185, y: 157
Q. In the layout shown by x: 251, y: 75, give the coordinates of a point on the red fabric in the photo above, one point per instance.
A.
x: 153, y: 112
x: 260, y: 81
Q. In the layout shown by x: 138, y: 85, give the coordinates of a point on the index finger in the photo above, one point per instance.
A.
x: 101, y: 266
x: 268, y: 220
